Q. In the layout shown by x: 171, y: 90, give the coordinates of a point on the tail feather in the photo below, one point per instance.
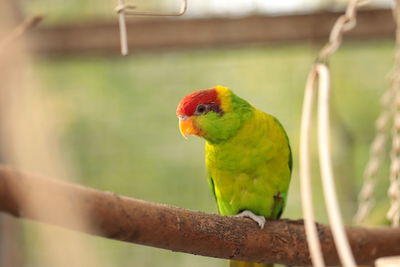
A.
x: 233, y: 263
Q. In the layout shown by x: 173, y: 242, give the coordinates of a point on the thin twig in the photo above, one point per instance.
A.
x: 19, y: 30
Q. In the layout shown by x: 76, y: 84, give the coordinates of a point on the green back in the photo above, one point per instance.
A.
x: 248, y: 159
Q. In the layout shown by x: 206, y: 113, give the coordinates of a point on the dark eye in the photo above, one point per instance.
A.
x: 201, y: 108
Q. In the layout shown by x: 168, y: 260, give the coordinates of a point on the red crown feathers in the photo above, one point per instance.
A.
x: 188, y: 104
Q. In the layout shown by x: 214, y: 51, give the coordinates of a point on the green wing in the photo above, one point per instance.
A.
x: 290, y: 162
x: 279, y: 205
x: 212, y: 186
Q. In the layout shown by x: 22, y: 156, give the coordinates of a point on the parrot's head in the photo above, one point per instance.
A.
x: 214, y: 114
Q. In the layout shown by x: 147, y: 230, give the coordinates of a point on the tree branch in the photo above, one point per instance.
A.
x: 21, y: 29
x: 162, y: 226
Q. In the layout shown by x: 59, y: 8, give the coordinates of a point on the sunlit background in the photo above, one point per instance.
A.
x: 119, y: 132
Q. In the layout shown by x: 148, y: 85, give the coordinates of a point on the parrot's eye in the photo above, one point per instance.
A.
x: 201, y: 108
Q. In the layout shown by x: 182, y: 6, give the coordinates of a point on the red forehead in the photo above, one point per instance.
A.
x: 188, y: 104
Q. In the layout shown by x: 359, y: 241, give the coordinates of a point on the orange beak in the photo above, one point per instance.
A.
x: 187, y: 127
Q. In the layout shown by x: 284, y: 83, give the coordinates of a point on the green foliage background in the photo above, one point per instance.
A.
x: 121, y: 134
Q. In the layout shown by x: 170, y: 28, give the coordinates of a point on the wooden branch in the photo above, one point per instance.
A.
x: 156, y: 34
x: 162, y: 226
x: 19, y: 30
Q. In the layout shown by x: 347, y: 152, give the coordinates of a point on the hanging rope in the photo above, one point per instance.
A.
x: 305, y: 173
x: 320, y: 73
x: 394, y: 189
x: 390, y: 115
x: 366, y: 198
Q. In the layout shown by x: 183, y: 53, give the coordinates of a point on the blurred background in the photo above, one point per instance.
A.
x: 114, y: 116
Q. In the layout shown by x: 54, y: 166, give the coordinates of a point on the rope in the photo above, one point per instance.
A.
x: 320, y: 72
x: 366, y: 198
x: 394, y: 189
x: 344, y: 23
x: 390, y: 112
x: 332, y: 206
x: 305, y: 174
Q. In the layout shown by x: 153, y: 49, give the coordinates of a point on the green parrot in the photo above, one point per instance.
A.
x: 248, y: 155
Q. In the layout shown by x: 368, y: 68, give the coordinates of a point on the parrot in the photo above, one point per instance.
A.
x: 247, y: 154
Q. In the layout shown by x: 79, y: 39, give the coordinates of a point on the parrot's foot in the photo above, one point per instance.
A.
x: 260, y: 220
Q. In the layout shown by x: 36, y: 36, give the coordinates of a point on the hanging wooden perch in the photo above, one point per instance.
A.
x: 130, y: 220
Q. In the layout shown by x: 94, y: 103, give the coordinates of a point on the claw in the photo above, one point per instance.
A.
x: 260, y: 220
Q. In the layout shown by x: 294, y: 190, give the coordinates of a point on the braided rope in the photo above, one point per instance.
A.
x: 390, y: 115
x: 320, y: 73
x: 366, y: 198
x: 394, y: 189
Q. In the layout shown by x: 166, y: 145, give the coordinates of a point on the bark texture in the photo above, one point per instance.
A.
x: 162, y: 226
